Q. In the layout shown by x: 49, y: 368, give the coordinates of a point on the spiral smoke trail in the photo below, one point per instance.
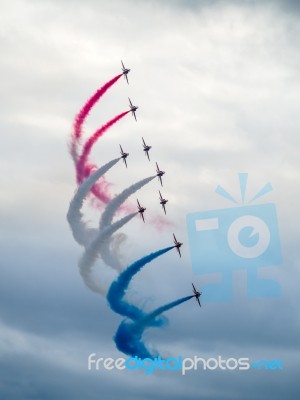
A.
x: 91, y: 254
x: 81, y: 232
x: 110, y: 258
x: 129, y: 336
x: 118, y: 288
x: 100, y: 244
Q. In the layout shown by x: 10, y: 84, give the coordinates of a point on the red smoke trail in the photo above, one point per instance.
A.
x: 83, y: 113
x: 100, y: 190
x: 82, y: 164
x: 84, y: 169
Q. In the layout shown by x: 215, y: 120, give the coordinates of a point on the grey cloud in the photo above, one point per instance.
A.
x: 224, y: 80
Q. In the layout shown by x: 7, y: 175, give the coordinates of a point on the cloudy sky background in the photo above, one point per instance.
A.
x: 217, y: 83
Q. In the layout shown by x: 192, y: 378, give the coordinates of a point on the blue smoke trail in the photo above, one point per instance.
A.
x: 128, y: 337
x: 119, y: 287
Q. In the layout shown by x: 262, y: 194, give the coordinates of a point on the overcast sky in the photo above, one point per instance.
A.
x: 217, y: 83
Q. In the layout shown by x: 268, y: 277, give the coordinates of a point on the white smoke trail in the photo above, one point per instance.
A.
x: 98, y: 241
x: 112, y: 258
x: 92, y: 252
x: 110, y: 251
x: 81, y: 232
x: 116, y: 202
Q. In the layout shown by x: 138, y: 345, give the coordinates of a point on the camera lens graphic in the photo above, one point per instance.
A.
x: 257, y: 229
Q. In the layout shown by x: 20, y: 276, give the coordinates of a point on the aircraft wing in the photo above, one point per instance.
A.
x: 164, y: 207
x: 199, y: 302
x: 122, y: 64
x: 144, y: 141
x: 179, y: 252
x: 147, y: 152
x: 138, y: 203
x: 125, y: 162
x: 133, y: 112
x: 130, y: 102
x: 160, y: 180
x: 194, y: 288
x: 142, y: 215
x: 126, y: 77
